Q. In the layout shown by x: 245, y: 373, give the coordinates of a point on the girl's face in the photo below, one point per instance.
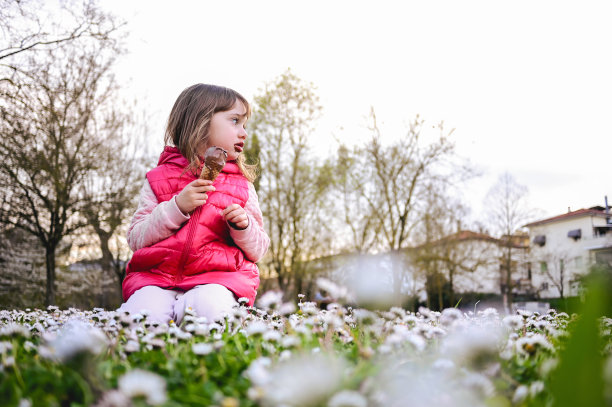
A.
x: 227, y: 130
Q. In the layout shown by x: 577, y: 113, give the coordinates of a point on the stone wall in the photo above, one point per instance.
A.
x: 23, y: 277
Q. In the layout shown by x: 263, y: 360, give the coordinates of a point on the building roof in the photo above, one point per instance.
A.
x: 469, y: 235
x: 594, y: 211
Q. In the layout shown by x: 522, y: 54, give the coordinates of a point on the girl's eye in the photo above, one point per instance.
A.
x: 235, y: 120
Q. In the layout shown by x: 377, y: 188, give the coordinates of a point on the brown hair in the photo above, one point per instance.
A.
x: 190, y: 118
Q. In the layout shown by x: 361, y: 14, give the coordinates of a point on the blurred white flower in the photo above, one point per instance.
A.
x: 319, y: 377
x: 309, y: 308
x: 450, y: 315
x: 113, y: 398
x: 258, y: 373
x: 443, y: 365
x: 347, y: 398
x: 256, y: 328
x: 6, y: 346
x: 74, y: 338
x: 141, y: 383
x: 272, y: 336
x: 368, y: 290
x: 523, y: 313
x: 479, y: 384
x: 289, y: 341
x: 513, y: 321
x: 490, y: 313
x: 286, y: 308
x: 8, y: 361
x: 548, y: 366
x: 520, y: 394
x: 334, y: 290
x: 364, y: 316
x: 536, y: 388
x: 529, y: 345
x: 131, y: 346
x: 202, y: 348
x: 475, y: 347
x: 13, y: 329
x: 270, y: 300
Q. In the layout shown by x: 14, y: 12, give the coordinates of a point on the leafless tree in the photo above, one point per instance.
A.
x: 30, y: 26
x: 363, y: 226
x: 393, y: 180
x: 554, y: 267
x: 112, y: 187
x: 507, y: 211
x: 49, y: 116
x: 292, y: 183
x: 447, y: 249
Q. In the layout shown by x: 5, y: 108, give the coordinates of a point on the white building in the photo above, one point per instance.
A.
x: 479, y: 262
x: 564, y: 247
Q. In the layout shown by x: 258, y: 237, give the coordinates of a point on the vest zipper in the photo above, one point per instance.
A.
x: 193, y: 223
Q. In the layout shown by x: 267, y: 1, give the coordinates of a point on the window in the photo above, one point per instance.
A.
x: 575, y: 234
x: 529, y: 270
x: 543, y: 267
x: 578, y: 261
x: 540, y: 240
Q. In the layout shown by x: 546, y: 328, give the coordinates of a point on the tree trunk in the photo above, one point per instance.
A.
x: 107, y: 256
x: 451, y: 291
x: 109, y: 262
x: 509, y: 277
x: 120, y: 277
x: 50, y: 263
x: 397, y: 277
x: 440, y: 283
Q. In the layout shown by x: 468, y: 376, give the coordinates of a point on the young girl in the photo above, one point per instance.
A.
x: 196, y: 241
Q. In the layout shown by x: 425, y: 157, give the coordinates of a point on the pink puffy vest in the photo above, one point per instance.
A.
x: 202, y: 250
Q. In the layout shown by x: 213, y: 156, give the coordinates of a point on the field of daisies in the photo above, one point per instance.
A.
x: 280, y: 354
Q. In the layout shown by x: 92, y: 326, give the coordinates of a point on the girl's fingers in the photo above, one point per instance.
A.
x: 206, y: 188
x: 231, y: 208
x: 201, y: 182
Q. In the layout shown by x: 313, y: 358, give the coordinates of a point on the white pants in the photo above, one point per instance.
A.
x: 208, y: 300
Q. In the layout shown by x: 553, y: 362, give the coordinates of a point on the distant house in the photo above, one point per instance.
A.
x: 563, y: 248
x: 474, y: 261
x: 477, y: 261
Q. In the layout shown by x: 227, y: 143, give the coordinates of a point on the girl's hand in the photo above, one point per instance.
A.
x: 193, y: 195
x: 236, y: 216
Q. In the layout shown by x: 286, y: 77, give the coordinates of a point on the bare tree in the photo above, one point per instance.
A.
x: 363, y: 226
x: 553, y: 267
x: 447, y: 249
x: 292, y: 183
x: 48, y: 121
x: 29, y: 26
x: 111, y: 189
x: 394, y: 179
x: 507, y: 210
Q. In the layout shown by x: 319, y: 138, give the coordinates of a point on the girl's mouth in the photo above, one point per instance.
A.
x: 238, y: 147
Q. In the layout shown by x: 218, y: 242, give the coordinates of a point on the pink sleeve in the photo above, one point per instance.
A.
x: 253, y: 240
x: 153, y: 221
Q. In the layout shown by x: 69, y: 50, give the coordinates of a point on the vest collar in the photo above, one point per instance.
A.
x: 171, y: 155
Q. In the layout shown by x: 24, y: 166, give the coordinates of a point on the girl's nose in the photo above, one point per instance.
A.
x: 242, y: 133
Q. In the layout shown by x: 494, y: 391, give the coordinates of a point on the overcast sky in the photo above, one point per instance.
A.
x: 527, y: 85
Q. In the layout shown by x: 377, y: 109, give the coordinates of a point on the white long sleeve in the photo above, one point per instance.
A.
x: 253, y: 240
x: 153, y: 221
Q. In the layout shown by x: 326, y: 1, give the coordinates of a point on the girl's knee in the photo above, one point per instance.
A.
x: 156, y: 302
x: 210, y: 300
